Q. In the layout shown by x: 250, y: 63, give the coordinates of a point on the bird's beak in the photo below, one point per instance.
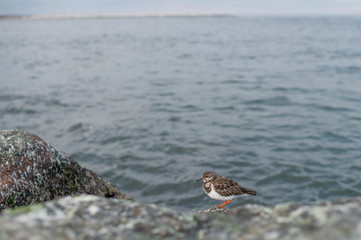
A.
x: 199, y: 179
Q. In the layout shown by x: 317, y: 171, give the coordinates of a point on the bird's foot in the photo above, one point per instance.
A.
x: 217, y: 207
x: 223, y: 204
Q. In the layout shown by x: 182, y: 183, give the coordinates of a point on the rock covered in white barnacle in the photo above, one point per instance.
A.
x: 33, y: 171
x: 94, y: 217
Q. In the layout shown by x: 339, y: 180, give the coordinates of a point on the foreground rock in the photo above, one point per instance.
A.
x: 32, y: 171
x: 93, y: 217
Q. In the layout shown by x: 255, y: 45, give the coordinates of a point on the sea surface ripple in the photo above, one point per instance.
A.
x: 151, y: 103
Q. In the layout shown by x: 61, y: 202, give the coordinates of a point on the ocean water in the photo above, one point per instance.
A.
x: 151, y: 103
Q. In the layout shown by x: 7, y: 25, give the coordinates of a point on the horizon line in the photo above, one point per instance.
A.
x: 156, y: 15
x: 109, y: 15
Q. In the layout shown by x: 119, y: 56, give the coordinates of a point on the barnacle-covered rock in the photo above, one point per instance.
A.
x: 328, y: 220
x: 94, y: 217
x: 33, y: 171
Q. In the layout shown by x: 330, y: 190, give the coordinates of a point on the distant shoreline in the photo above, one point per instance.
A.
x: 103, y: 16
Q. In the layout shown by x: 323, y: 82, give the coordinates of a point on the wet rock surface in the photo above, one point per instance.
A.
x: 93, y: 217
x: 32, y: 171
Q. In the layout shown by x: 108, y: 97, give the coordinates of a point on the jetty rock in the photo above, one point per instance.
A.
x: 44, y: 194
x: 94, y: 217
x: 32, y: 171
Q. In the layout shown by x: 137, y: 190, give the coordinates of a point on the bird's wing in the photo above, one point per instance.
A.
x: 230, y: 187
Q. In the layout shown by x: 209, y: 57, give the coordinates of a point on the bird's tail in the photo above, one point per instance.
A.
x: 249, y: 191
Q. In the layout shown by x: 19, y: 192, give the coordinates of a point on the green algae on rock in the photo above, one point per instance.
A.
x: 32, y: 171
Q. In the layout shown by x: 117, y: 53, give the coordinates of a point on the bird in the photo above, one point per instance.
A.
x: 222, y: 188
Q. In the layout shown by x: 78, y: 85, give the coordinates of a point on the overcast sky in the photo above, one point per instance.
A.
x: 253, y: 7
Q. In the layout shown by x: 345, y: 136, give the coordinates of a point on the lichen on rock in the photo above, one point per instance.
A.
x: 32, y: 171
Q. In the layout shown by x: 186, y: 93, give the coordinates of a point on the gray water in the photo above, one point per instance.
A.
x: 151, y: 103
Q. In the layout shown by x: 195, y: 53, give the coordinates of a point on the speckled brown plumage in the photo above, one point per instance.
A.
x: 227, y: 187
x: 222, y: 185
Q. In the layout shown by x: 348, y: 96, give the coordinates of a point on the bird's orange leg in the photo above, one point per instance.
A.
x: 224, y: 204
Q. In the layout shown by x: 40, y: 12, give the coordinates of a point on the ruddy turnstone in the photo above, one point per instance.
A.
x: 222, y: 188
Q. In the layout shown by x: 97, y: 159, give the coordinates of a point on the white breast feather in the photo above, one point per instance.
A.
x: 213, y: 194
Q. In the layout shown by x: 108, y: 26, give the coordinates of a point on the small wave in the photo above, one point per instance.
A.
x: 233, y: 81
x: 274, y: 101
x: 357, y: 185
x: 255, y: 138
x: 225, y: 108
x: 55, y: 102
x: 342, y: 192
x: 170, y: 187
x: 243, y: 163
x: 335, y: 109
x: 7, y: 98
x: 291, y: 89
x: 349, y: 69
x: 129, y: 184
x: 78, y: 127
x: 338, y: 150
x: 174, y: 119
x: 173, y: 149
x: 16, y: 110
x: 215, y: 165
x: 334, y: 137
x: 166, y: 94
x: 256, y: 108
x: 315, y: 148
x: 115, y: 139
x: 191, y: 108
x: 340, y: 69
x: 210, y: 143
x: 283, y: 177
x: 185, y: 56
